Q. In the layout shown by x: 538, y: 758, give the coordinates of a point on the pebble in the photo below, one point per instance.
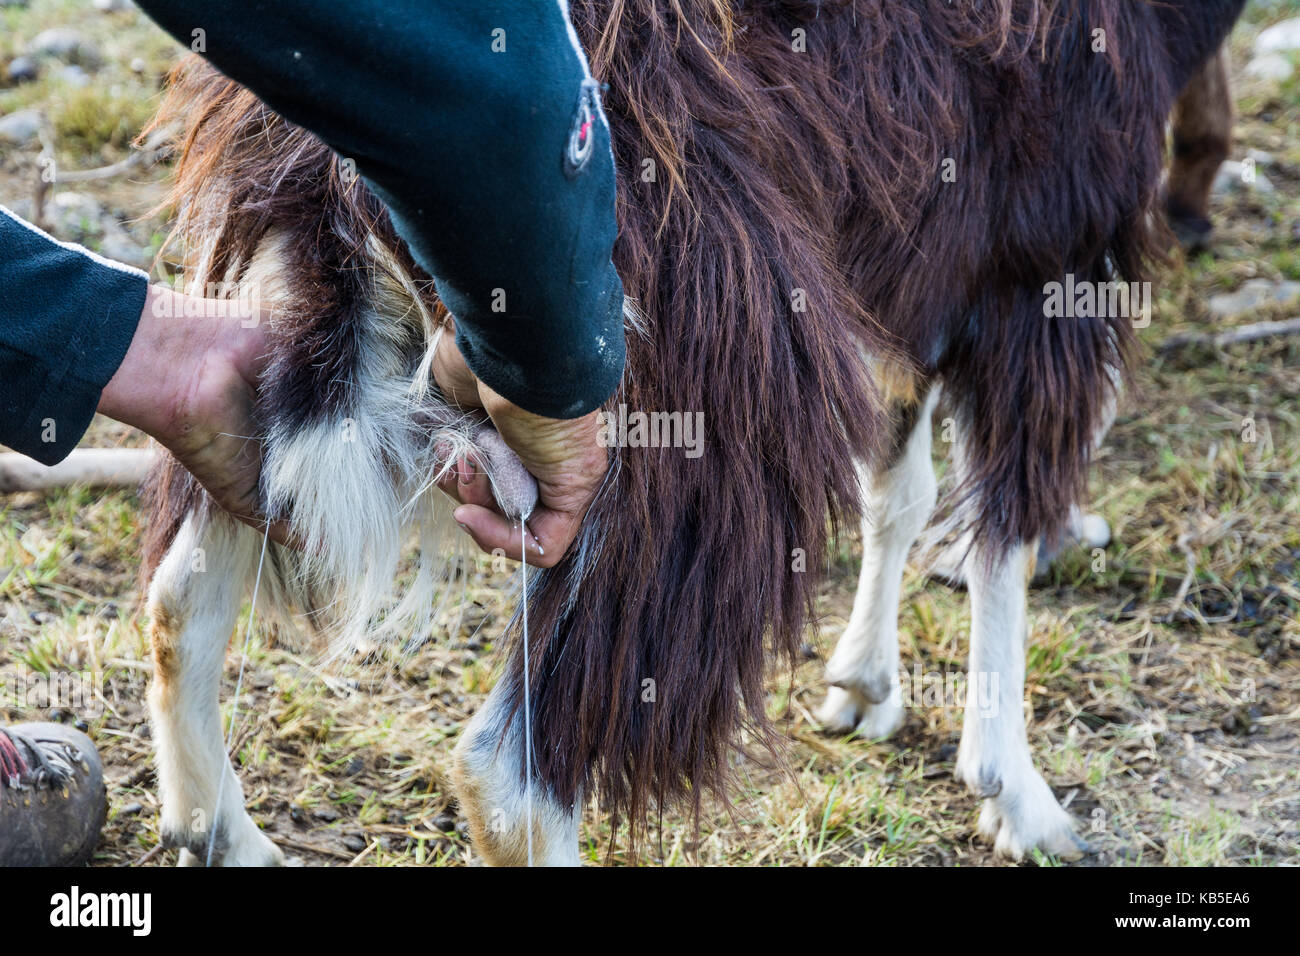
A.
x: 131, y: 809
x: 1253, y: 294
x: 65, y: 43
x: 1230, y: 179
x: 1279, y: 38
x: 1260, y: 157
x: 354, y: 843
x: 1270, y: 66
x: 74, y: 76
x: 22, y: 69
x: 21, y: 127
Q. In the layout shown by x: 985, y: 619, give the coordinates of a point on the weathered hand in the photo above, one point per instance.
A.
x: 189, y: 379
x: 563, y: 455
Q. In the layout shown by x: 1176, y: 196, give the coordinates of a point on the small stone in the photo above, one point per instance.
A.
x: 138, y: 65
x: 1270, y: 66
x: 21, y: 127
x: 1253, y: 294
x: 22, y: 69
x: 1260, y: 157
x: 131, y: 809
x: 325, y: 814
x: 74, y: 76
x: 354, y: 843
x: 64, y: 43
x: 1233, y: 177
x: 1279, y: 38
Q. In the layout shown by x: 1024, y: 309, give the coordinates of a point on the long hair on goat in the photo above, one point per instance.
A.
x: 354, y: 436
x: 805, y: 270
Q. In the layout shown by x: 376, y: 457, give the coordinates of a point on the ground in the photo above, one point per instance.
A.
x: 1163, y: 674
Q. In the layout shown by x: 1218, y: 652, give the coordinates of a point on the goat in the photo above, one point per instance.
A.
x: 854, y: 205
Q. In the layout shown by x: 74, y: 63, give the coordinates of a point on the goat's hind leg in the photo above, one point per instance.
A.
x: 490, y: 787
x: 865, y: 697
x: 1020, y: 812
x: 194, y: 602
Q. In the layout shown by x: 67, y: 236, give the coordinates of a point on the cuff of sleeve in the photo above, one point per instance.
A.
x: 66, y: 395
x: 571, y: 379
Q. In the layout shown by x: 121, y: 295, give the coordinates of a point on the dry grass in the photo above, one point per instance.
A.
x: 1164, y: 685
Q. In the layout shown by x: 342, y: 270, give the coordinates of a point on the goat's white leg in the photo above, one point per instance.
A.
x: 194, y: 602
x: 865, y: 696
x: 490, y: 788
x: 1020, y: 812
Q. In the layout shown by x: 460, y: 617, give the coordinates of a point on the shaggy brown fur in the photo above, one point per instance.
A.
x: 798, y: 223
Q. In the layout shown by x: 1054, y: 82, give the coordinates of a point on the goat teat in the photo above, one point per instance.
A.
x: 512, y: 485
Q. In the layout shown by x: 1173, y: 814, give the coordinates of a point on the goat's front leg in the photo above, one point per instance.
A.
x: 1020, y: 813
x: 194, y: 602
x: 491, y: 788
x: 865, y: 696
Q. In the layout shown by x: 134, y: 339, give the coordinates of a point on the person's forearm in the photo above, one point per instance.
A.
x: 478, y: 143
x: 67, y: 318
x: 188, y: 380
x: 162, y: 357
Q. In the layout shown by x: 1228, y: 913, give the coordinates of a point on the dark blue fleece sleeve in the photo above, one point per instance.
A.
x: 66, y: 319
x: 479, y: 126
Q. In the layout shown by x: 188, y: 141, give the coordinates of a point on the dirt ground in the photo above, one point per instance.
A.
x: 1163, y: 676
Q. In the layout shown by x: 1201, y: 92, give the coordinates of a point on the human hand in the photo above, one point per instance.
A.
x: 189, y: 379
x: 562, y: 455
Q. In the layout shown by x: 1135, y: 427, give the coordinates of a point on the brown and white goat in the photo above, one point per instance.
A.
x: 854, y: 205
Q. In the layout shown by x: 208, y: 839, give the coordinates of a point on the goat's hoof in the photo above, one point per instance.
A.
x: 1025, y: 817
x: 251, y: 847
x: 846, y: 712
x: 873, y: 689
x: 840, y: 712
